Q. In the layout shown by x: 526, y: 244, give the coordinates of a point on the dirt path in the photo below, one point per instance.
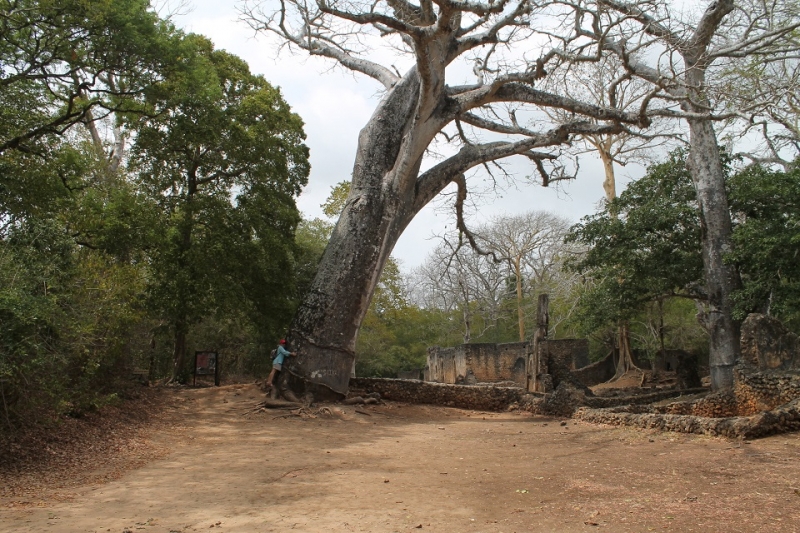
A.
x: 410, y: 468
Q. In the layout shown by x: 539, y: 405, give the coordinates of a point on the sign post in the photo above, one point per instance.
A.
x: 205, y: 364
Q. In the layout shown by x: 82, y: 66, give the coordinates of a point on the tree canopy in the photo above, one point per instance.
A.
x: 645, y: 245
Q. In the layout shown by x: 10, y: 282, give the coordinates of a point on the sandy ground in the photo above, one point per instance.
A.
x: 399, y: 467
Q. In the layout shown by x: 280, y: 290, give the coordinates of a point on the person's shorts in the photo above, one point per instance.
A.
x: 277, y: 367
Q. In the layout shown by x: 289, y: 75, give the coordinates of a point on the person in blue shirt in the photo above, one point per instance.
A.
x: 277, y: 363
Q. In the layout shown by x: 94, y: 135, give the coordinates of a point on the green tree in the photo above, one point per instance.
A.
x: 65, y: 59
x: 651, y: 251
x: 224, y: 160
x: 311, y: 239
x: 643, y: 246
x: 766, y: 212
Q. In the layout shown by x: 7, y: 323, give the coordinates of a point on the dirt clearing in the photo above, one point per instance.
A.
x: 399, y: 467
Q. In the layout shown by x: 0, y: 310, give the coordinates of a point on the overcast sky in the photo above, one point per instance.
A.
x: 335, y: 105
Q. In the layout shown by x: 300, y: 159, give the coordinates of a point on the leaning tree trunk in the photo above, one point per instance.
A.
x: 325, y: 328
x: 721, y: 278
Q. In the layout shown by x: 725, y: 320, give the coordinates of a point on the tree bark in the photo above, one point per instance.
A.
x: 535, y: 363
x: 181, y: 321
x: 721, y: 278
x: 625, y: 361
x: 609, y: 182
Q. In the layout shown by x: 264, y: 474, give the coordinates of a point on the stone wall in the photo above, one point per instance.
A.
x: 477, y: 363
x: 479, y: 397
x: 768, y: 345
x: 554, y: 361
x: 598, y: 372
x: 764, y: 400
x: 494, y: 363
x: 574, y: 353
x: 760, y: 403
x: 780, y: 420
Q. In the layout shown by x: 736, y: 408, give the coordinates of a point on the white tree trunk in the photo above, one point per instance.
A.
x: 721, y: 278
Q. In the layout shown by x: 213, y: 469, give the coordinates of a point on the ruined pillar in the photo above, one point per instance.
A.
x: 537, y: 359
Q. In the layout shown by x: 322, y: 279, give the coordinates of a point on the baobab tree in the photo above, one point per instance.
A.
x: 392, y: 179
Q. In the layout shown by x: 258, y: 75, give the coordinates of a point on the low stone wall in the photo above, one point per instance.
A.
x: 410, y: 374
x: 479, y: 397
x: 760, y: 403
x: 567, y: 399
x: 783, y: 419
x: 753, y: 392
x: 639, y: 399
x: 763, y: 391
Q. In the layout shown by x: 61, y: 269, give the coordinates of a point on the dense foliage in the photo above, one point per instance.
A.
x: 643, y: 249
x: 765, y: 206
x: 643, y: 246
x: 147, y: 186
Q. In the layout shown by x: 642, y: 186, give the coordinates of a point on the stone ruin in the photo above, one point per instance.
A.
x: 470, y: 364
x: 764, y: 400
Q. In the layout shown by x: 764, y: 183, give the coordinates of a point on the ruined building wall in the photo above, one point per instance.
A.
x: 490, y: 363
x: 573, y: 353
x: 478, y: 363
x: 493, y: 363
